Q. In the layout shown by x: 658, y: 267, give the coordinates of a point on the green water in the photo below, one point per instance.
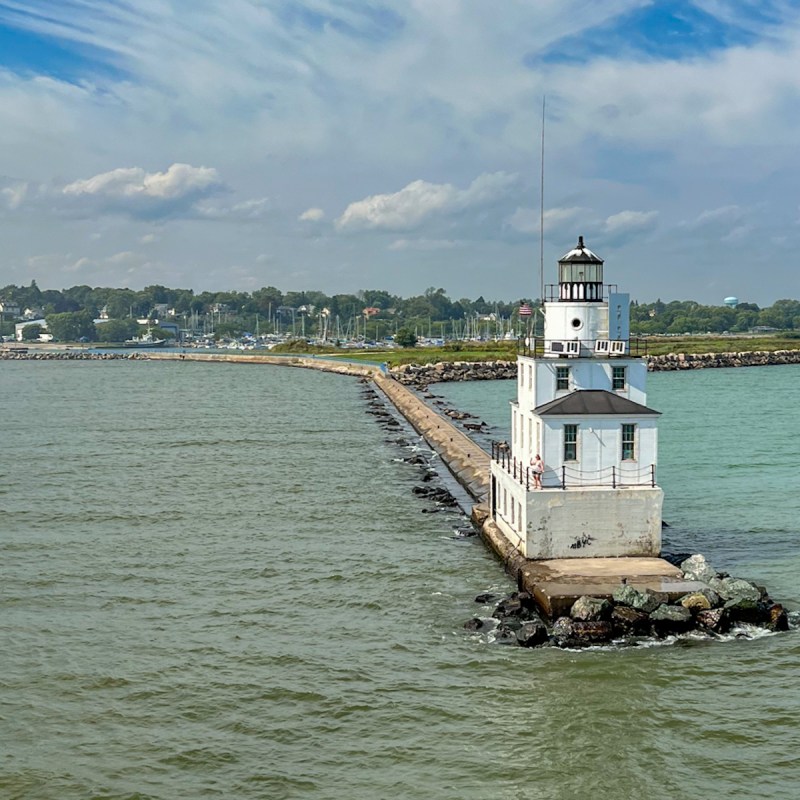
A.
x: 215, y: 582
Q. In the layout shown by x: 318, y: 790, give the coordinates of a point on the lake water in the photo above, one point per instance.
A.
x: 215, y: 582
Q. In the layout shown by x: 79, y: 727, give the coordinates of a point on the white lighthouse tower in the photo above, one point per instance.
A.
x: 581, y: 406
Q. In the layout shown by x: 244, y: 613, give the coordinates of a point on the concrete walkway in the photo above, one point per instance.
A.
x: 468, y: 462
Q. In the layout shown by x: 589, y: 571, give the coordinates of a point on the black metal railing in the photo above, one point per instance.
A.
x: 535, y: 347
x: 553, y: 291
x: 571, y: 476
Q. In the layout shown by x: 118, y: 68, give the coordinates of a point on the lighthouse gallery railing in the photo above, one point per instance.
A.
x: 566, y: 476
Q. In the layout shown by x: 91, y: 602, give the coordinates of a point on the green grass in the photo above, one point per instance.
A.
x: 507, y: 350
x: 661, y: 345
x: 458, y: 351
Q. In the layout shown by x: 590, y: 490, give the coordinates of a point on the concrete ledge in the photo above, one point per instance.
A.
x: 556, y: 584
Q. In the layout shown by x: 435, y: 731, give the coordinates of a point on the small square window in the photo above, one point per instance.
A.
x: 562, y: 378
x: 618, y: 378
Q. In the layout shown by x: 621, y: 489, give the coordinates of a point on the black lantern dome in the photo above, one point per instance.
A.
x: 580, y: 275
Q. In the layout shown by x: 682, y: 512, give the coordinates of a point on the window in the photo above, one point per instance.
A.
x: 562, y: 378
x: 617, y: 378
x: 570, y: 443
x: 628, y: 442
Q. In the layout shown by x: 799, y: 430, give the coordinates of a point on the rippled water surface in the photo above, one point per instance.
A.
x: 216, y: 582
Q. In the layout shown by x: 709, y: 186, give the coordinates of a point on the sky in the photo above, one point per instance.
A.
x: 363, y: 144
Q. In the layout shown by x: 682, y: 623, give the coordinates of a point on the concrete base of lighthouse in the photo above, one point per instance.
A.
x: 580, y: 522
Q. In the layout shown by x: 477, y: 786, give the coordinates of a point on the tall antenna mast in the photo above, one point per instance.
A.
x: 541, y: 220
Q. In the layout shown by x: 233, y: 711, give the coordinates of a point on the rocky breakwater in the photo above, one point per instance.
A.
x: 65, y: 355
x: 421, y: 376
x: 724, y: 605
x: 759, y: 358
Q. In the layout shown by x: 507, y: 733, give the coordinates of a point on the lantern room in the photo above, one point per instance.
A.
x: 580, y: 275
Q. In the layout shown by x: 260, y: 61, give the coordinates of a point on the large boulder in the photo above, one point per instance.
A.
x: 515, y: 607
x: 532, y: 633
x: 735, y: 589
x: 627, y: 621
x: 587, y: 608
x: 504, y: 635
x: 715, y: 620
x: 695, y: 601
x: 745, y: 609
x: 579, y: 633
x: 642, y: 600
x: 696, y: 568
x: 778, y: 620
x: 667, y: 619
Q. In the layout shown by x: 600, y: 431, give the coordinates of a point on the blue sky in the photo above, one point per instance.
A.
x: 353, y: 144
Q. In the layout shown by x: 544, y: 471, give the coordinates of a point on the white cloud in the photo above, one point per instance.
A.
x: 421, y: 200
x: 312, y: 215
x: 133, y: 191
x: 148, y: 238
x: 631, y: 221
x: 180, y: 180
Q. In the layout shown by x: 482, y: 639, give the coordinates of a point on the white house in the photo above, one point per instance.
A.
x: 42, y: 323
x: 582, y: 405
x: 8, y: 308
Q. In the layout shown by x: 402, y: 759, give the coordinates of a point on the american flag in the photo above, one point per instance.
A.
x: 525, y: 310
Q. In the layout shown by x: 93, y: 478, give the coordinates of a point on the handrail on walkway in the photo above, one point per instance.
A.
x: 615, y: 477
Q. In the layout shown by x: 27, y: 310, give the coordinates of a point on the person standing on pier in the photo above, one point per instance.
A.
x: 538, y: 468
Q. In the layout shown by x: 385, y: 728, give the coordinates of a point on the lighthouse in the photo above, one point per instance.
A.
x: 581, y: 406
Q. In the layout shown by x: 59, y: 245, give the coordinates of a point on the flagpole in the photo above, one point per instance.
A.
x: 541, y: 220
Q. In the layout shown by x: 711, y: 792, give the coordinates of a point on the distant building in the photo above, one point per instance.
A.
x: 42, y: 323
x: 9, y: 309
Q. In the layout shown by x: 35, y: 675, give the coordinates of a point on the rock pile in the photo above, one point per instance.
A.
x: 422, y: 376
x: 632, y: 614
x: 759, y: 358
x: 65, y: 355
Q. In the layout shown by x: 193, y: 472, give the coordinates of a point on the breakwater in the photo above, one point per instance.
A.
x: 13, y: 354
x: 421, y: 376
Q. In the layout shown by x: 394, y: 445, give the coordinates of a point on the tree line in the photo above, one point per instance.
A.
x: 70, y: 313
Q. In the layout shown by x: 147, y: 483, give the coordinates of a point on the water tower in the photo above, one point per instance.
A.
x: 731, y: 302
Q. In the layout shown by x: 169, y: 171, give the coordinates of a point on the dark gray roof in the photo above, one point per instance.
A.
x: 593, y: 401
x: 580, y: 254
